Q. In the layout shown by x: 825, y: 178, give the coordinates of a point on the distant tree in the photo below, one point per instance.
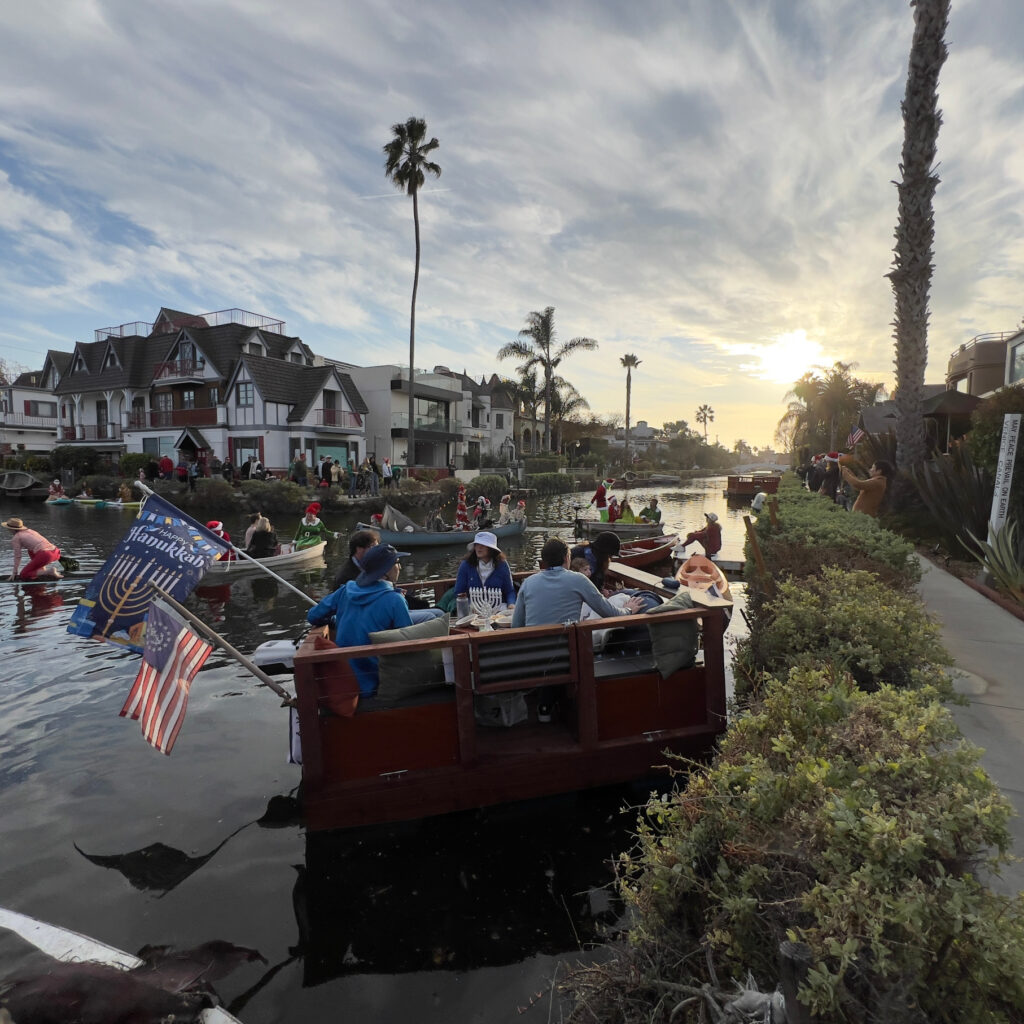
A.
x: 566, y: 403
x: 705, y: 415
x: 630, y: 362
x: 406, y: 165
x: 911, y: 273
x: 537, y: 345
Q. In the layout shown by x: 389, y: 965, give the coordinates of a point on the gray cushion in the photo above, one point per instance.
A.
x: 674, y: 644
x: 407, y: 675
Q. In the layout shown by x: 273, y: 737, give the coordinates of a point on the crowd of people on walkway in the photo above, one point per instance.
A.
x: 830, y: 475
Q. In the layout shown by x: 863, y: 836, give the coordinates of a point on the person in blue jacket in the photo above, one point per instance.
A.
x: 485, y: 566
x: 364, y: 605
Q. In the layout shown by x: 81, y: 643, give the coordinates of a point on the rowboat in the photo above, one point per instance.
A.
x: 590, y: 528
x: 16, y: 483
x: 73, y: 948
x: 420, y: 538
x: 748, y: 486
x: 648, y: 551
x: 664, y: 478
x: 289, y: 559
x: 422, y: 747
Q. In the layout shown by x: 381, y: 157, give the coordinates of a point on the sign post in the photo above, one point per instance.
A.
x: 1004, y: 474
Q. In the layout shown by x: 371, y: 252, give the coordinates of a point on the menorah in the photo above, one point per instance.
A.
x: 486, y: 602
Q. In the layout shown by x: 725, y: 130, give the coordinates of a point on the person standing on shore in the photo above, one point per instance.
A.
x: 871, y: 492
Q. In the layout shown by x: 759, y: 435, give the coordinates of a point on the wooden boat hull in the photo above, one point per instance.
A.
x: 16, y: 483
x: 305, y: 558
x: 647, y: 551
x: 590, y: 528
x: 431, y: 756
x: 748, y: 486
x: 428, y: 538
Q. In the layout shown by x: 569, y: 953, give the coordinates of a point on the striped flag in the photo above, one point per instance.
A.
x: 856, y: 436
x: 159, y: 696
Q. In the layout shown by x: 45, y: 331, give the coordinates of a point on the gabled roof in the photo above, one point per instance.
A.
x: 138, y: 357
x: 222, y: 345
x: 287, y: 383
x: 29, y: 379
x: 168, y: 321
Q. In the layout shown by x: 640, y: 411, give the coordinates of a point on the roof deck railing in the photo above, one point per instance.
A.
x: 979, y: 339
x: 139, y: 328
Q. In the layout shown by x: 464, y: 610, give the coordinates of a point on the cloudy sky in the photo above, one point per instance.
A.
x: 706, y: 184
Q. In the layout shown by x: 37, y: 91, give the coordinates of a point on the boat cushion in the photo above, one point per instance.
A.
x: 675, y: 643
x: 407, y: 675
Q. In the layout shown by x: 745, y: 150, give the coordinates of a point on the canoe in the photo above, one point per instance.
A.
x: 647, y: 551
x: 430, y: 538
x: 71, y: 947
x: 664, y: 478
x: 423, y: 746
x: 699, y: 572
x: 288, y: 561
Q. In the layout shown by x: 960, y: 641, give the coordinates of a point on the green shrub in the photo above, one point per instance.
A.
x: 101, y: 485
x: 79, y: 459
x: 132, y: 462
x: 551, y: 483
x: 490, y: 485
x: 273, y: 495
x: 542, y: 464
x: 853, y: 823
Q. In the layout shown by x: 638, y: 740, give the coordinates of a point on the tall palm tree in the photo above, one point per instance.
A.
x: 566, y: 402
x: 536, y: 346
x: 529, y: 396
x: 911, y: 273
x: 630, y: 362
x: 705, y: 415
x: 406, y: 165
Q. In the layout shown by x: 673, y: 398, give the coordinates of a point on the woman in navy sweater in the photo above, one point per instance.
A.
x: 485, y: 566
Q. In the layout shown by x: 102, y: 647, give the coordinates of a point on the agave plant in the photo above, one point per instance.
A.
x: 957, y: 494
x: 1004, y: 558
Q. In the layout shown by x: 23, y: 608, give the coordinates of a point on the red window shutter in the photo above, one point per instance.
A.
x: 28, y: 407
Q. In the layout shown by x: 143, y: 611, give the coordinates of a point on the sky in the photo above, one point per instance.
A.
x: 704, y: 184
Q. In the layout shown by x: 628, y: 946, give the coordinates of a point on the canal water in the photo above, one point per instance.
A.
x: 463, y: 918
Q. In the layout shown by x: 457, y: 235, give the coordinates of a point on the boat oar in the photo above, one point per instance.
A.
x: 217, y: 639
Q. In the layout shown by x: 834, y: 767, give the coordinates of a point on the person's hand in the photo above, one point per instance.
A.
x: 634, y: 604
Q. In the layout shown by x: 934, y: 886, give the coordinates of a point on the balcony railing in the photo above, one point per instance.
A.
x: 21, y: 419
x: 172, y: 418
x: 92, y: 432
x: 221, y: 316
x: 179, y: 368
x: 337, y: 418
x: 400, y: 421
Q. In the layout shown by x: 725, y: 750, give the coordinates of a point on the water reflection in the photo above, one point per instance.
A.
x: 35, y: 601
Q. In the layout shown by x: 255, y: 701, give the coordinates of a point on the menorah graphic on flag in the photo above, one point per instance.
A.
x: 162, y: 546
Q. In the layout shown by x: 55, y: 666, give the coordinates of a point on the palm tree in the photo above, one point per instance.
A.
x: 529, y: 396
x: 535, y: 346
x: 911, y: 273
x: 566, y: 402
x: 705, y: 415
x: 405, y: 165
x: 630, y: 362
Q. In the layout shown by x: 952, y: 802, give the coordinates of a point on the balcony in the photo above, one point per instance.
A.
x: 158, y: 418
x: 180, y: 369
x: 338, y: 418
x: 92, y: 432
x: 426, y: 424
x: 23, y: 420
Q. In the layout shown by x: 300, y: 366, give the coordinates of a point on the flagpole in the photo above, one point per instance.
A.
x: 224, y: 645
x: 270, y: 572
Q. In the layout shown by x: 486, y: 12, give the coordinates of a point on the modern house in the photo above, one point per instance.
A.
x: 227, y: 384
x: 982, y: 365
x: 28, y: 415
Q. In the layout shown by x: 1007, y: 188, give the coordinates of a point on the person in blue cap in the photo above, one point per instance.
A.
x: 365, y: 605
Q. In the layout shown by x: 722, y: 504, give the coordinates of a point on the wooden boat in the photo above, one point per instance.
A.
x: 748, y: 486
x: 648, y: 551
x: 16, y: 483
x: 366, y: 761
x: 420, y: 538
x: 699, y: 572
x: 590, y: 528
x: 71, y: 947
x: 664, y: 478
x: 289, y: 560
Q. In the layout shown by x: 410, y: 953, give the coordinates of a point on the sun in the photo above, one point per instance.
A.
x: 784, y: 360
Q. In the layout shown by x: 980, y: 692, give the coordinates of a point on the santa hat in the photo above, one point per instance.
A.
x: 522, y: 504
x: 214, y: 526
x: 313, y: 508
x: 832, y: 457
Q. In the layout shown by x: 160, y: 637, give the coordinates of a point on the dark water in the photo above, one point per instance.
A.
x: 462, y: 918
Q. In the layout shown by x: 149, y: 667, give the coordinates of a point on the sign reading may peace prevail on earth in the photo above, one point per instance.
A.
x: 1004, y: 473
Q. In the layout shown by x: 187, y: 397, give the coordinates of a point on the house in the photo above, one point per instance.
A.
x: 227, y: 384
x: 982, y: 365
x: 28, y: 415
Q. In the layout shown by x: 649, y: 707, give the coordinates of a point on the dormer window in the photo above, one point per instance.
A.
x: 79, y: 364
x: 111, y: 362
x: 296, y: 357
x: 254, y: 348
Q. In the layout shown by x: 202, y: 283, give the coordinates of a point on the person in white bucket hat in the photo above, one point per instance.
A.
x: 485, y: 566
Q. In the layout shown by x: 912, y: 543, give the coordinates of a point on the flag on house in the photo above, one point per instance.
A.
x: 856, y: 436
x: 172, y: 656
x: 162, y: 546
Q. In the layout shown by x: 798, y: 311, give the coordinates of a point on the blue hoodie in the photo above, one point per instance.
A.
x: 360, y: 611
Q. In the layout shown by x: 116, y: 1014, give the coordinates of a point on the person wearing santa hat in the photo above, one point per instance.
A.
x: 311, y: 530
x: 217, y: 527
x: 600, y: 499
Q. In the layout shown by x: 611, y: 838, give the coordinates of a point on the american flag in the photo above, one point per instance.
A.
x: 159, y: 695
x: 856, y: 436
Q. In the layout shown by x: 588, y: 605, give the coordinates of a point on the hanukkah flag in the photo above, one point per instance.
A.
x: 162, y: 546
x: 159, y: 696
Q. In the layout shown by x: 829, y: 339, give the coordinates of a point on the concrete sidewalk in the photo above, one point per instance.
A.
x: 988, y: 645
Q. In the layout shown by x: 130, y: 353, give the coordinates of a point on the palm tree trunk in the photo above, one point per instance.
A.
x: 411, y: 454
x: 915, y: 230
x: 547, y: 407
x: 629, y: 388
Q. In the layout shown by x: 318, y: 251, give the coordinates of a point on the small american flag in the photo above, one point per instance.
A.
x: 159, y: 695
x: 856, y: 436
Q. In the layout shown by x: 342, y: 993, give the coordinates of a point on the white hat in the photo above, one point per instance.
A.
x: 712, y: 516
x: 487, y: 539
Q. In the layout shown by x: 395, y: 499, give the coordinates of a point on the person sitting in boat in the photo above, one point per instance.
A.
x: 365, y: 605
x: 613, y: 510
x: 485, y: 567
x: 85, y: 495
x: 503, y: 509
x: 124, y: 492
x: 359, y: 543
x: 56, y: 490
x: 482, y: 513
x: 626, y: 514
x: 262, y: 542
x: 598, y: 553
x: 435, y: 521
x: 311, y: 530
x: 215, y: 526
x: 43, y: 555
x: 650, y: 513
x: 710, y: 538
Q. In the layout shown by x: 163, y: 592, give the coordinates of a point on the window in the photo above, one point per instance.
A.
x: 254, y: 349
x: 296, y: 357
x: 34, y: 408
x: 1017, y: 363
x: 165, y: 401
x: 499, y: 421
x: 244, y: 395
x: 214, y: 396
x: 188, y: 399
x: 151, y: 445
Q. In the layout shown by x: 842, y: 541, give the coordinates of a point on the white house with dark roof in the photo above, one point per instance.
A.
x: 28, y: 415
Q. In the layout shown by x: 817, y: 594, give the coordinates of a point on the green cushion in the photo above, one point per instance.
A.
x: 408, y: 675
x: 674, y: 645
